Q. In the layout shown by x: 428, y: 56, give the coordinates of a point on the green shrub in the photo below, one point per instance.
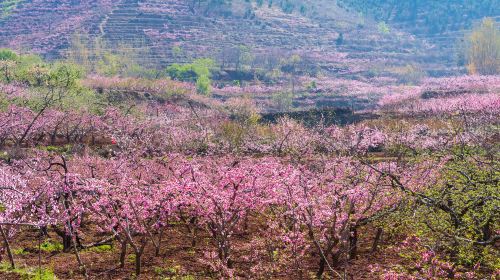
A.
x: 199, y: 72
x: 65, y: 75
x: 57, y: 83
x: 312, y: 86
x: 383, y: 28
x: 181, y: 72
x: 410, y: 74
x: 233, y: 133
x: 7, y: 54
x: 283, y: 100
x: 24, y: 67
x: 460, y: 214
x: 203, y: 85
x: 483, y: 48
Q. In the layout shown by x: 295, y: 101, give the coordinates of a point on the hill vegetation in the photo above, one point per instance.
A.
x: 178, y: 31
x: 427, y: 16
x: 483, y: 50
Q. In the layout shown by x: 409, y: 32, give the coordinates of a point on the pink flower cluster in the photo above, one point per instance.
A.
x: 438, y: 96
x: 322, y: 203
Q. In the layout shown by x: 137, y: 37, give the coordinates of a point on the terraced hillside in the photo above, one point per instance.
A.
x: 337, y: 40
x: 263, y: 29
x: 44, y: 26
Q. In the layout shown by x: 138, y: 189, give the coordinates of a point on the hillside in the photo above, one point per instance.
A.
x: 219, y: 30
x: 443, y: 23
x: 427, y: 17
x: 44, y: 26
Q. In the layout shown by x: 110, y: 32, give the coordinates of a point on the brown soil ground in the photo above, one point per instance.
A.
x: 176, y: 254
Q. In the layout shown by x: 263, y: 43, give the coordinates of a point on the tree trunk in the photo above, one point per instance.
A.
x: 157, y: 251
x: 193, y: 238
x: 79, y: 259
x: 158, y: 245
x: 66, y: 243
x: 66, y: 239
x: 192, y: 230
x: 353, y: 243
x: 7, y: 248
x: 376, y: 241
x: 138, y: 256
x: 123, y: 254
x: 336, y: 258
x: 487, y: 232
x: 245, y: 224
x: 321, y: 268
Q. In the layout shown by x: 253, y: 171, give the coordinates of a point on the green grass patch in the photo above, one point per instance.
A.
x: 131, y: 258
x: 100, y: 248
x: 172, y: 272
x: 29, y: 273
x: 19, y: 251
x: 4, y: 155
x: 64, y: 149
x: 49, y: 247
